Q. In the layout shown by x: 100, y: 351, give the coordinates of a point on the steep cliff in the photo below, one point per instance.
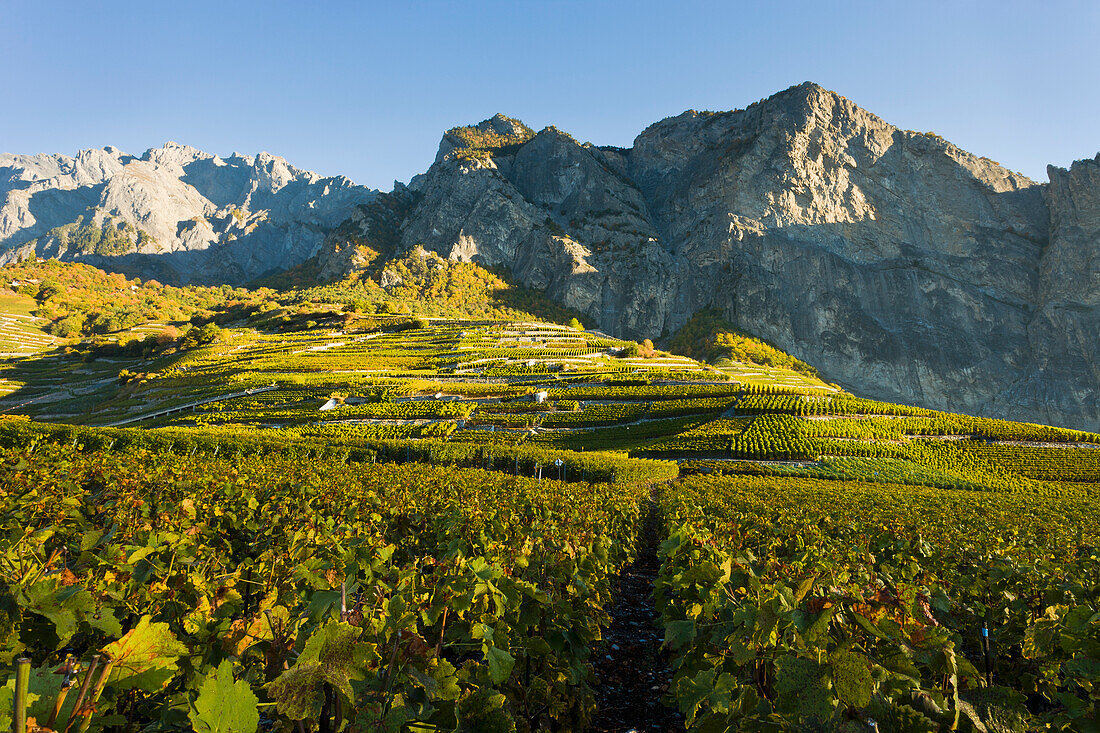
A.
x: 1064, y: 335
x: 176, y: 213
x: 900, y: 265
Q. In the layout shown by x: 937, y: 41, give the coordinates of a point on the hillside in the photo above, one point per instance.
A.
x: 449, y: 351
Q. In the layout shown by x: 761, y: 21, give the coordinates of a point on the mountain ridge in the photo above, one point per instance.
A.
x: 899, y: 264
x: 174, y: 212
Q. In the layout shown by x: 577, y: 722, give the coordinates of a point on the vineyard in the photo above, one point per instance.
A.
x: 310, y: 518
x: 372, y: 598
x: 804, y: 600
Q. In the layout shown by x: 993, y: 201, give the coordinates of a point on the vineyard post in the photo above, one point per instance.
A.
x: 89, y: 703
x: 69, y: 668
x: 22, y: 680
x: 986, y: 654
x: 83, y: 691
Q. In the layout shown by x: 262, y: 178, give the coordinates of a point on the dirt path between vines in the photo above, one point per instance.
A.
x: 632, y: 671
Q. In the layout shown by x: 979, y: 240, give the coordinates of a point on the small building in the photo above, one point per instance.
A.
x: 541, y: 397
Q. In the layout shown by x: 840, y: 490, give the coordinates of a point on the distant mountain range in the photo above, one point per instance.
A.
x: 175, y: 213
x: 898, y: 264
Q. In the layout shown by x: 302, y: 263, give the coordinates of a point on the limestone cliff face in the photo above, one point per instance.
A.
x: 188, y: 216
x: 1064, y: 335
x: 898, y: 264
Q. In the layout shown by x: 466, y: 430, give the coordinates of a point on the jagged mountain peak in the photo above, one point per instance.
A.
x: 1083, y: 163
x: 173, y: 153
x: 184, y: 215
x: 493, y: 134
x: 502, y: 124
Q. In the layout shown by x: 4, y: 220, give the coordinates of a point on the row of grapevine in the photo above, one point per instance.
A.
x: 213, y: 592
x: 343, y: 443
x: 771, y: 437
x: 800, y: 604
x: 805, y: 404
x: 1044, y: 463
x: 646, y: 392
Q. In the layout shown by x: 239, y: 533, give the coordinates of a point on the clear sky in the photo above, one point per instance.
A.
x: 365, y: 89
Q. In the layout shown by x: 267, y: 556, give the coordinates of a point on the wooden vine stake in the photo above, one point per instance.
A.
x: 83, y: 691
x: 68, y: 670
x: 88, y: 708
x: 22, y: 681
x: 986, y: 654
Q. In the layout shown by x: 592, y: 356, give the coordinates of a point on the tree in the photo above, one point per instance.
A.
x: 167, y: 335
x: 69, y: 326
x: 201, y: 336
x: 576, y: 324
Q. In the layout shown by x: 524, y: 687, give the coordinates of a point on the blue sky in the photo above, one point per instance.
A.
x: 365, y: 89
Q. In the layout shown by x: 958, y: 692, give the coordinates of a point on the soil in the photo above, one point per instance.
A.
x: 632, y: 671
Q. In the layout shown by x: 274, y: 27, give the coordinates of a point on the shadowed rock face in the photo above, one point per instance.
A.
x: 901, y: 266
x: 1064, y: 335
x: 190, y: 216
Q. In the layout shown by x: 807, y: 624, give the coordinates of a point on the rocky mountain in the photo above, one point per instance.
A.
x: 175, y: 213
x: 900, y: 265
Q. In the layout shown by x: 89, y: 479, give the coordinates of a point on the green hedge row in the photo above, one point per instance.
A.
x: 522, y: 460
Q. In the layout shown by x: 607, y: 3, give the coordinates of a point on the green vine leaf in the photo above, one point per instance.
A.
x: 852, y: 678
x: 145, y: 657
x: 224, y: 705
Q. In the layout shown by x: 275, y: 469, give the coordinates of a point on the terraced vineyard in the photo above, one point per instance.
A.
x: 21, y: 333
x: 325, y: 519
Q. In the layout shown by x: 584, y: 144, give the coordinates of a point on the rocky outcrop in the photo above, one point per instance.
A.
x: 188, y: 216
x: 900, y: 265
